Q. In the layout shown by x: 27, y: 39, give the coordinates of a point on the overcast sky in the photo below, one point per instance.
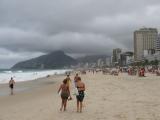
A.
x: 30, y: 28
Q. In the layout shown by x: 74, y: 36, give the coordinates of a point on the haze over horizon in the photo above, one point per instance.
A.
x: 78, y: 27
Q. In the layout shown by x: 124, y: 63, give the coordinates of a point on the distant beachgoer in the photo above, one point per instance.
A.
x: 80, y: 96
x: 11, y: 85
x: 75, y: 79
x: 142, y: 72
x: 65, y: 94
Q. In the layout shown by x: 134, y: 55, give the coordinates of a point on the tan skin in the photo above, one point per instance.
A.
x: 64, y: 88
x: 11, y: 82
x: 81, y: 87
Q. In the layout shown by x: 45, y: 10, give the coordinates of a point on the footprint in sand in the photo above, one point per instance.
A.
x: 104, y: 99
x: 142, y: 119
x: 102, y: 118
x: 121, y: 117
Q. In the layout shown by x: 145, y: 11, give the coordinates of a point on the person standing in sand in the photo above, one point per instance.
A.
x: 65, y: 93
x: 11, y: 85
x: 75, y: 79
x: 80, y: 96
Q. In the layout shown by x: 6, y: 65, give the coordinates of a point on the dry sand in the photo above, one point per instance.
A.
x: 107, y: 98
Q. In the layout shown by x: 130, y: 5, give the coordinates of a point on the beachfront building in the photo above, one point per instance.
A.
x: 144, y: 39
x: 148, y: 52
x: 157, y: 44
x: 108, y: 61
x: 152, y: 57
x: 116, y: 56
x: 126, y: 58
x: 86, y: 65
x: 100, y: 63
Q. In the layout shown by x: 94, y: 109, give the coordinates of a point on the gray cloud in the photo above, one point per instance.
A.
x: 29, y: 28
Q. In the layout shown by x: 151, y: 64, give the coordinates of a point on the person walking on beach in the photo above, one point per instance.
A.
x: 65, y: 94
x: 11, y: 85
x: 75, y: 84
x: 75, y: 79
x: 80, y: 96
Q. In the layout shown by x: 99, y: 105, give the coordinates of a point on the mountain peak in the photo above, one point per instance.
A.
x: 58, y: 52
x: 53, y: 60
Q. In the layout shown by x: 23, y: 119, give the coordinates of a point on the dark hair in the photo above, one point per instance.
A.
x: 79, y: 78
x: 65, y: 81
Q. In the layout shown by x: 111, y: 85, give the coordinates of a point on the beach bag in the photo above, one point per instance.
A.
x: 59, y: 93
x: 76, y: 91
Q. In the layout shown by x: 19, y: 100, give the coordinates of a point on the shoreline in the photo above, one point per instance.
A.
x: 29, y: 75
x: 26, y: 86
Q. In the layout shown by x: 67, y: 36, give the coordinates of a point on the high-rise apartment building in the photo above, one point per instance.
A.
x: 108, y: 61
x: 116, y: 55
x: 157, y: 43
x: 144, y: 39
x: 126, y: 58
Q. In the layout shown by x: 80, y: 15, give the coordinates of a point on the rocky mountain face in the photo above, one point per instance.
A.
x: 54, y: 60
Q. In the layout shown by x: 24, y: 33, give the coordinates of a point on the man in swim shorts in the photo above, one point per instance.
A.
x: 80, y: 96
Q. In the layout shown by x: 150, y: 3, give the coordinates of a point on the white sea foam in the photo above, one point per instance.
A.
x: 27, y: 75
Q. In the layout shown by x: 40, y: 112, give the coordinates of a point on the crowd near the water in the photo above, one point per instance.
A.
x: 132, y: 70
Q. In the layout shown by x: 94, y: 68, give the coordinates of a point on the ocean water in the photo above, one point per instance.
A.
x: 26, y: 75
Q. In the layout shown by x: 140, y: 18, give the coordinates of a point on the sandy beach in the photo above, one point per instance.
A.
x: 108, y: 97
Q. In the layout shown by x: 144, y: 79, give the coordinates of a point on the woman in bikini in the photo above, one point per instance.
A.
x: 80, y: 96
x: 65, y: 93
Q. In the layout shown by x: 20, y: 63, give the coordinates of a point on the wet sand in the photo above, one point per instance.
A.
x: 28, y: 85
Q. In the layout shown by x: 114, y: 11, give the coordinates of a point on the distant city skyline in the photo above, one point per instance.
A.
x: 78, y: 27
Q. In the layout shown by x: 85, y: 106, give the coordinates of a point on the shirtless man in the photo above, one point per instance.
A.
x: 11, y: 85
x: 80, y: 96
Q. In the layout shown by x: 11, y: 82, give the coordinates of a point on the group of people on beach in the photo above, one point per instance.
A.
x: 65, y: 92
